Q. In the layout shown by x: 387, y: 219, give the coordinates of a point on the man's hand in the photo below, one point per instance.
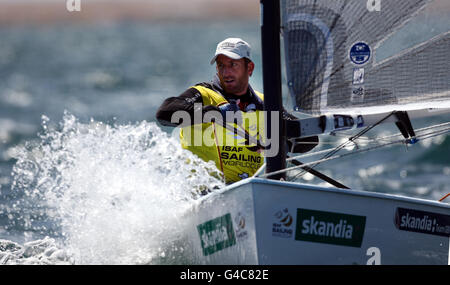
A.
x: 229, y: 107
x: 230, y: 112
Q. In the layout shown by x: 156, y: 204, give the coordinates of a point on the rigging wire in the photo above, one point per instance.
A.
x: 350, y: 140
x: 331, y: 153
x: 375, y: 141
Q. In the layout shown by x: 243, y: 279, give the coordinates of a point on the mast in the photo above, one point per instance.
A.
x: 271, y: 67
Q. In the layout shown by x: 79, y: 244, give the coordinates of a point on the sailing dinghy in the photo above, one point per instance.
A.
x: 332, y: 76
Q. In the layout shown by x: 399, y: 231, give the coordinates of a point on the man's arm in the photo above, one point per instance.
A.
x: 184, y: 102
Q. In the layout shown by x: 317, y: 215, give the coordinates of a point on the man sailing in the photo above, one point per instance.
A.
x: 229, y: 92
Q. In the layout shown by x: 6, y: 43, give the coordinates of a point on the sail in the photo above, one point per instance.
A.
x: 330, y: 48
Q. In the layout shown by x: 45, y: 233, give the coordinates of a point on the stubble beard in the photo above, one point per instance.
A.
x: 239, y: 86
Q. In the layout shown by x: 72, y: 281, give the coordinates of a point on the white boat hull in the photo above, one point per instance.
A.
x: 259, y: 221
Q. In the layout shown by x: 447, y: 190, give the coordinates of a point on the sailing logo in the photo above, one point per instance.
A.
x: 360, y: 53
x: 329, y: 227
x: 283, y: 225
x: 422, y: 222
x: 217, y: 234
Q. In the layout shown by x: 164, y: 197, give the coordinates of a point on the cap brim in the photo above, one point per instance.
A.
x: 226, y: 53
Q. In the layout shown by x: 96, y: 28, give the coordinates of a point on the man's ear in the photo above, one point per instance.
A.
x: 251, y: 67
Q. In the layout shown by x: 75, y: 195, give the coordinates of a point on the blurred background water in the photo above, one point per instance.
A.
x: 86, y: 174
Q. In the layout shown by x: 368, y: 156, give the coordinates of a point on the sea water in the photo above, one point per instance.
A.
x: 113, y: 194
x: 86, y: 174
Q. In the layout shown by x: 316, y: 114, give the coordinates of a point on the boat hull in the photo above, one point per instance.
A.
x: 260, y: 221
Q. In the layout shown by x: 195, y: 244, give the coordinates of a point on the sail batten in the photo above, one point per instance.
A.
x: 330, y: 48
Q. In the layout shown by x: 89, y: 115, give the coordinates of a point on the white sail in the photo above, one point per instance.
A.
x: 330, y: 62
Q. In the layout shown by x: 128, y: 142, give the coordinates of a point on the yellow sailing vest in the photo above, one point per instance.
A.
x: 211, y: 141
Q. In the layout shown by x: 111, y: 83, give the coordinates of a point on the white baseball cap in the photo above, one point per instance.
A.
x: 234, y: 48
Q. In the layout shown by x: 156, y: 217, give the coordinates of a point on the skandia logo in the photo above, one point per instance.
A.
x: 418, y: 223
x: 422, y: 222
x: 217, y: 234
x: 330, y: 227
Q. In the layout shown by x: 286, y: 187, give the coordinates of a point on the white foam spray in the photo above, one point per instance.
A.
x: 118, y: 194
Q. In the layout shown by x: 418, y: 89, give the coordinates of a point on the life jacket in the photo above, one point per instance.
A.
x: 235, y: 158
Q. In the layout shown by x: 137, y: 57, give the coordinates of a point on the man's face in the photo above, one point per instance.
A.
x: 234, y: 74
